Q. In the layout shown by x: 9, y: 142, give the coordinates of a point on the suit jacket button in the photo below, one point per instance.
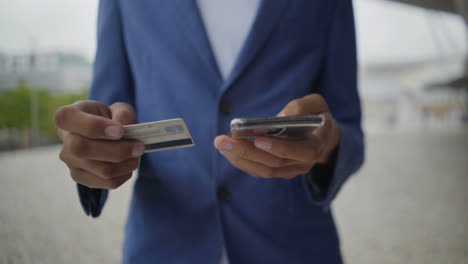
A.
x: 225, y: 107
x: 223, y: 194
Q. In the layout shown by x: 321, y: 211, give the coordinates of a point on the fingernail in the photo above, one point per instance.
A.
x: 138, y: 150
x: 112, y: 132
x: 224, y: 145
x: 263, y: 144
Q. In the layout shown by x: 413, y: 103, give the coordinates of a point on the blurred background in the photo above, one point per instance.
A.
x: 409, y: 203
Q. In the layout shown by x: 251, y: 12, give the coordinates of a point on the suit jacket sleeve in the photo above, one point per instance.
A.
x: 112, y: 82
x: 338, y: 85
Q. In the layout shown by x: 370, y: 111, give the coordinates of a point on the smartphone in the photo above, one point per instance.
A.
x: 284, y: 126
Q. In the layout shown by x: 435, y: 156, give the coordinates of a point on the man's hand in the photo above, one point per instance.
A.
x: 92, y: 148
x: 269, y: 157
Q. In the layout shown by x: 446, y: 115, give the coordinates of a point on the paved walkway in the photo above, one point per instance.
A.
x: 408, y: 205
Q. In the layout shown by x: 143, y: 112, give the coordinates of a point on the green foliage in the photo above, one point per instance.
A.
x: 15, y: 107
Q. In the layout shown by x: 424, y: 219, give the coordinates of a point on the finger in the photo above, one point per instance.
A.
x: 92, y: 181
x: 109, y: 170
x: 102, y: 169
x: 123, y: 113
x: 307, y: 105
x: 329, y: 130
x: 262, y: 171
x: 247, y: 150
x: 74, y: 119
x: 61, y: 133
x: 330, y: 133
x: 93, y: 107
x: 324, y: 132
x: 102, y: 150
x: 307, y: 150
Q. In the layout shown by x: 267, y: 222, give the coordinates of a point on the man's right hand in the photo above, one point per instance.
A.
x: 92, y: 147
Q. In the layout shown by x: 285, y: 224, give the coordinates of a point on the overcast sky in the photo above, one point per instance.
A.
x: 387, y: 32
x: 52, y: 24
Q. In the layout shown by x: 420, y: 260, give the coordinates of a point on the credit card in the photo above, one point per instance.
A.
x: 160, y: 135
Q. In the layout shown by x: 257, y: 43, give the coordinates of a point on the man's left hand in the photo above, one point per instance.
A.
x: 269, y: 157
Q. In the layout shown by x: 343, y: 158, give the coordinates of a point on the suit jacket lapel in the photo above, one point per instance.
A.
x: 268, y: 16
x: 191, y: 24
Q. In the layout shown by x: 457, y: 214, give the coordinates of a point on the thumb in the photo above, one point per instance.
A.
x: 123, y: 113
x: 307, y: 105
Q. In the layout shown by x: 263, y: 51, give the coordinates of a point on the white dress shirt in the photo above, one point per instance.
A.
x: 227, y: 23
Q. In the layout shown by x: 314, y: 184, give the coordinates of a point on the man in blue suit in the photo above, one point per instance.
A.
x: 262, y: 201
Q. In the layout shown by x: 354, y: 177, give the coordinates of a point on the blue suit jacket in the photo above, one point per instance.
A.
x: 155, y: 55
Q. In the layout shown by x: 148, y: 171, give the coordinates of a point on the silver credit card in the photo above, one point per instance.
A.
x: 161, y: 135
